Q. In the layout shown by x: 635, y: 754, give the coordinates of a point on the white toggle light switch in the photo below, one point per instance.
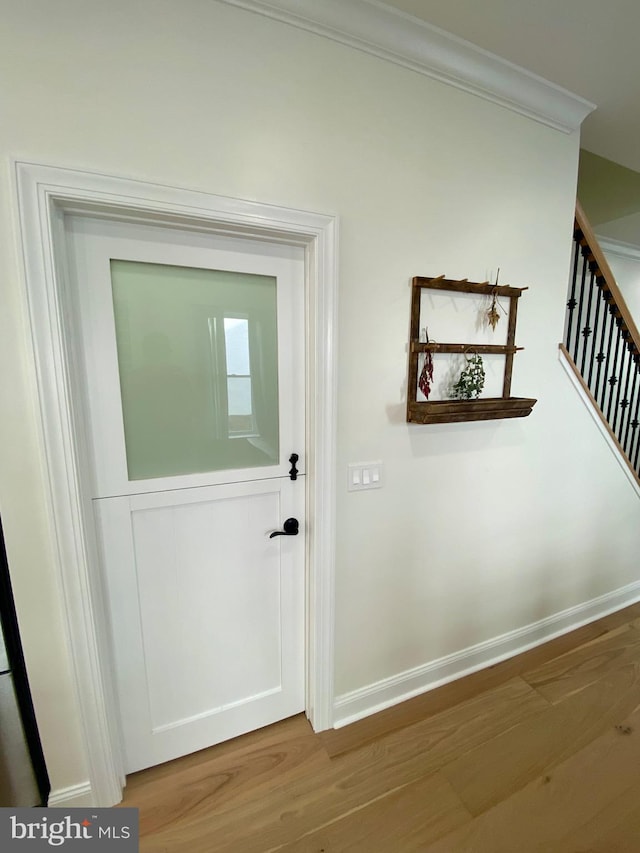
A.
x: 364, y: 475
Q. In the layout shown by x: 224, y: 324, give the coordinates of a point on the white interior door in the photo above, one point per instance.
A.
x: 191, y: 354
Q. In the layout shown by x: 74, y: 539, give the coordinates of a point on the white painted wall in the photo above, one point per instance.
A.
x: 480, y: 528
x: 626, y: 271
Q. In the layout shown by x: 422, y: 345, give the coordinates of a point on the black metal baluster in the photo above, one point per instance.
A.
x: 633, y: 399
x: 622, y: 404
x: 635, y: 442
x: 571, y: 304
x: 613, y: 379
x: 586, y: 332
x: 600, y: 356
x: 580, y: 302
x: 635, y: 459
x: 595, y: 330
x: 607, y: 356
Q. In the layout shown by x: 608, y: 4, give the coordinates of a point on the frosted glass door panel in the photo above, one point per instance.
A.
x: 198, y: 365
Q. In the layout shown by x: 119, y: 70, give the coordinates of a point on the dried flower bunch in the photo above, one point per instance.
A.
x: 492, y: 312
x: 425, y: 380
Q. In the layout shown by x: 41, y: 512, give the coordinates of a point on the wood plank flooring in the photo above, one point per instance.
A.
x: 539, y: 753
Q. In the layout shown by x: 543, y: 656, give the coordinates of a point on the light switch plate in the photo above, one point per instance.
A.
x: 364, y: 475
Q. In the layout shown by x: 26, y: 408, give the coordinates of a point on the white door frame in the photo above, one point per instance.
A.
x: 45, y: 194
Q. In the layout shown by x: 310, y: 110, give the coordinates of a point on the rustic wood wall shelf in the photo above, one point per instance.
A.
x: 483, y: 408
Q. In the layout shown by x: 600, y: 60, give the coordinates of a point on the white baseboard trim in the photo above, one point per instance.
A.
x: 357, y: 704
x: 75, y: 796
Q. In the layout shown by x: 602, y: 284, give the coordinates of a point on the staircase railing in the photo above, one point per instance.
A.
x: 602, y: 342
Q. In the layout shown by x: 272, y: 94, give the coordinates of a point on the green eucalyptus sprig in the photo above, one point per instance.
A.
x: 471, y: 380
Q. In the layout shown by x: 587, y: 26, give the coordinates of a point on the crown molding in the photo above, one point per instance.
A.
x: 388, y: 33
x: 630, y: 251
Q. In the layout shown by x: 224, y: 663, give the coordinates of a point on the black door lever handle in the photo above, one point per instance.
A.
x: 291, y: 528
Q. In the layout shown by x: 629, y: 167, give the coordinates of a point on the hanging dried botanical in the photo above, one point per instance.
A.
x: 492, y: 312
x: 471, y: 380
x: 426, y: 375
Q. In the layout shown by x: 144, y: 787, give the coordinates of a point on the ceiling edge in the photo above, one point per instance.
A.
x: 377, y: 29
x: 619, y: 248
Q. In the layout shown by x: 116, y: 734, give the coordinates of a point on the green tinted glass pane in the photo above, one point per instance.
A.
x: 197, y: 355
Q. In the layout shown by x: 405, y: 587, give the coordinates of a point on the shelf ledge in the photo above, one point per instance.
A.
x: 433, y: 346
x: 459, y: 411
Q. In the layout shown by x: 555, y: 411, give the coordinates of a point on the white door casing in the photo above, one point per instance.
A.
x: 206, y: 610
x: 45, y: 194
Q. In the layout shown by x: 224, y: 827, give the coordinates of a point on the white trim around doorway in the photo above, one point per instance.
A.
x: 45, y: 194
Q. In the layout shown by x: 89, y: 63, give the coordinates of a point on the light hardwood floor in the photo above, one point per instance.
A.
x: 539, y: 753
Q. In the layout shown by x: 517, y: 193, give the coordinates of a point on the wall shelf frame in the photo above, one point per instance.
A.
x: 482, y: 408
